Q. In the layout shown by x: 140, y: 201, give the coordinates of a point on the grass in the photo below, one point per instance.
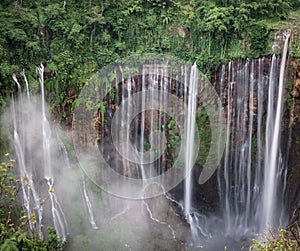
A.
x: 291, y: 22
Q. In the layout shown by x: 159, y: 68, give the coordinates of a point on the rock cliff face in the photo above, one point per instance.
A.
x: 290, y: 139
x: 206, y: 196
x: 292, y: 126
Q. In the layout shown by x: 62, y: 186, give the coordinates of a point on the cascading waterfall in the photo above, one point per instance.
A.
x: 142, y: 124
x: 259, y: 134
x: 26, y: 83
x: 252, y: 172
x: 271, y: 170
x: 29, y: 191
x: 190, y: 132
x: 88, y: 205
x: 142, y: 132
x: 46, y: 130
x: 34, y: 144
x: 58, y: 216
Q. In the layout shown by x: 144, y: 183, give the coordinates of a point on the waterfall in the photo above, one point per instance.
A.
x: 88, y: 205
x: 226, y: 161
x: 190, y: 132
x: 59, y: 220
x: 35, y: 148
x: 26, y: 83
x: 271, y: 167
x: 29, y: 191
x: 259, y: 135
x: 142, y: 135
x: 252, y: 171
x: 152, y: 135
x: 46, y: 130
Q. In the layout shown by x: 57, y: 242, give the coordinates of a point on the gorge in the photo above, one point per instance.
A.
x: 160, y: 129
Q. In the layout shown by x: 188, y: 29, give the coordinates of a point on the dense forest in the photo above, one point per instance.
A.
x: 74, y: 39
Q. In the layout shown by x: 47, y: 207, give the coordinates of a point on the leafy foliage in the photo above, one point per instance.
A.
x: 204, y: 134
x: 13, y: 226
x: 275, y: 242
x: 295, y: 47
x: 75, y: 38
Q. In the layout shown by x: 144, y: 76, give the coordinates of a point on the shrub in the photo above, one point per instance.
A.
x: 279, y: 242
x: 13, y: 225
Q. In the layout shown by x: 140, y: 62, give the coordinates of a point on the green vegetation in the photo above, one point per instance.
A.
x: 173, y: 138
x: 204, y: 134
x: 76, y: 38
x: 295, y: 45
x: 276, y: 242
x: 73, y: 39
x: 102, y: 108
x: 14, y: 233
